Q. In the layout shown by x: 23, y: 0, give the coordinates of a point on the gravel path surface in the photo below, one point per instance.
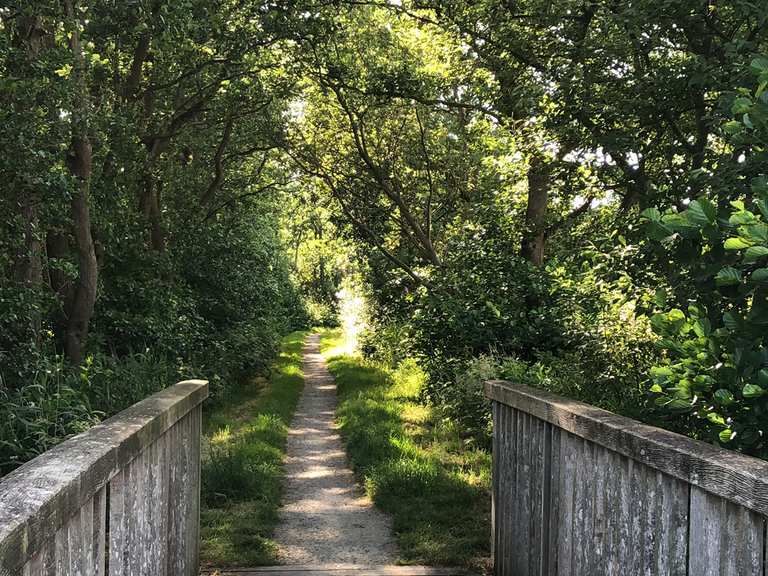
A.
x: 325, y: 518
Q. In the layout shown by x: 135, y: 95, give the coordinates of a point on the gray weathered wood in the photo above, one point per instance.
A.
x: 340, y: 571
x: 573, y: 499
x: 733, y: 476
x: 53, y: 509
x: 184, y: 496
x: 724, y: 539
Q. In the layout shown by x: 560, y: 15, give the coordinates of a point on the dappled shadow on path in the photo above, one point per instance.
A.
x: 326, y: 518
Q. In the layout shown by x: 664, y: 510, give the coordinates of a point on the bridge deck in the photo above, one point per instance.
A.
x: 339, y: 571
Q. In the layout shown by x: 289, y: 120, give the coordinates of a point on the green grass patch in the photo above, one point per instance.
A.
x: 417, y: 466
x: 243, y: 448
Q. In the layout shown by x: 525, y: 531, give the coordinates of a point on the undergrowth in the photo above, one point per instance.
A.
x: 421, y: 469
x: 243, y: 449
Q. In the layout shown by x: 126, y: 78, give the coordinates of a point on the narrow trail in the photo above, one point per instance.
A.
x: 325, y: 519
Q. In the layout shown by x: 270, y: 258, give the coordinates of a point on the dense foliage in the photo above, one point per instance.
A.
x: 567, y: 193
x: 490, y: 163
x: 141, y: 239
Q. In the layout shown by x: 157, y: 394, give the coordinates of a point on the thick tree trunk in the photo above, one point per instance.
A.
x: 57, y: 248
x: 84, y: 296
x: 150, y: 209
x: 81, y: 307
x: 535, y: 235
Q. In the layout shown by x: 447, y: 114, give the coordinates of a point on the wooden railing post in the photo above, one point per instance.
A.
x: 579, y: 491
x: 122, y: 498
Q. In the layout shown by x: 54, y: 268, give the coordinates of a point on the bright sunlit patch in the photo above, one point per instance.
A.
x: 351, y: 318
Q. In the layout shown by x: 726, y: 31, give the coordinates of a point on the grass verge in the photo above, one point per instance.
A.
x: 414, y: 464
x: 243, y: 448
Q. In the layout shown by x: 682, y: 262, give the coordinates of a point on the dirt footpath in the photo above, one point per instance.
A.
x: 325, y: 518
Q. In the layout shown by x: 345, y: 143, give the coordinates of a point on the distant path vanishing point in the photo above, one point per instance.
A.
x: 326, y: 518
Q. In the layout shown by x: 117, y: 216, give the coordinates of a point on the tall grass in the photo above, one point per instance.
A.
x: 415, y: 465
x: 243, y: 449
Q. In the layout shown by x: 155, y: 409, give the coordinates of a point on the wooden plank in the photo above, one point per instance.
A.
x: 724, y: 539
x: 522, y: 523
x: 536, y: 480
x: 583, y: 526
x: 183, y: 496
x: 98, y: 533
x: 736, y: 477
x: 507, y: 495
x: 674, y: 552
x: 117, y: 518
x: 552, y: 502
x: 40, y: 497
x: 195, y: 485
x: 620, y: 517
x: 341, y: 571
x: 75, y: 544
x: 496, y: 444
x: 600, y: 550
x: 566, y: 488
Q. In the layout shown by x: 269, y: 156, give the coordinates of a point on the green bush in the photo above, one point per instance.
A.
x: 712, y: 324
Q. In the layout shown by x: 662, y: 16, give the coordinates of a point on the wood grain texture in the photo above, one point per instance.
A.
x: 184, y: 496
x: 733, y: 476
x: 569, y: 506
x: 340, y: 571
x: 724, y: 539
x: 39, y: 499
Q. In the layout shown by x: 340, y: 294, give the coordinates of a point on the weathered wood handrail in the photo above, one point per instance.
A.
x: 579, y: 491
x: 121, y: 498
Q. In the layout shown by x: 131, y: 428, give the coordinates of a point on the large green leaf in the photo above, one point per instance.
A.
x: 701, y: 212
x: 753, y: 391
x: 754, y: 253
x: 736, y: 244
x: 728, y: 276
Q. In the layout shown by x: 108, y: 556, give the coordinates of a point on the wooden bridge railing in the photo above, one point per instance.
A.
x: 120, y: 499
x: 579, y: 491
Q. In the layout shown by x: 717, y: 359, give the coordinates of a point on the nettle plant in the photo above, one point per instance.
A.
x: 716, y: 364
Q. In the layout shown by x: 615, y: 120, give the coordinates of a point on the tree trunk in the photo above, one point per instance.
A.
x: 535, y: 235
x: 80, y: 310
x: 84, y: 297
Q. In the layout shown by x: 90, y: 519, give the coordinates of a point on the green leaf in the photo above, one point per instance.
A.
x: 730, y: 321
x: 733, y: 127
x: 659, y: 231
x: 757, y: 232
x: 753, y: 391
x: 754, y: 253
x: 726, y: 435
x: 741, y: 105
x: 762, y: 377
x: 701, y: 212
x: 660, y: 297
x: 702, y: 327
x: 678, y: 404
x: 728, y: 276
x: 759, y: 65
x: 736, y: 244
x: 716, y: 418
x: 651, y: 214
x: 762, y: 205
x: 759, y: 275
x: 723, y: 396
x: 742, y: 217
